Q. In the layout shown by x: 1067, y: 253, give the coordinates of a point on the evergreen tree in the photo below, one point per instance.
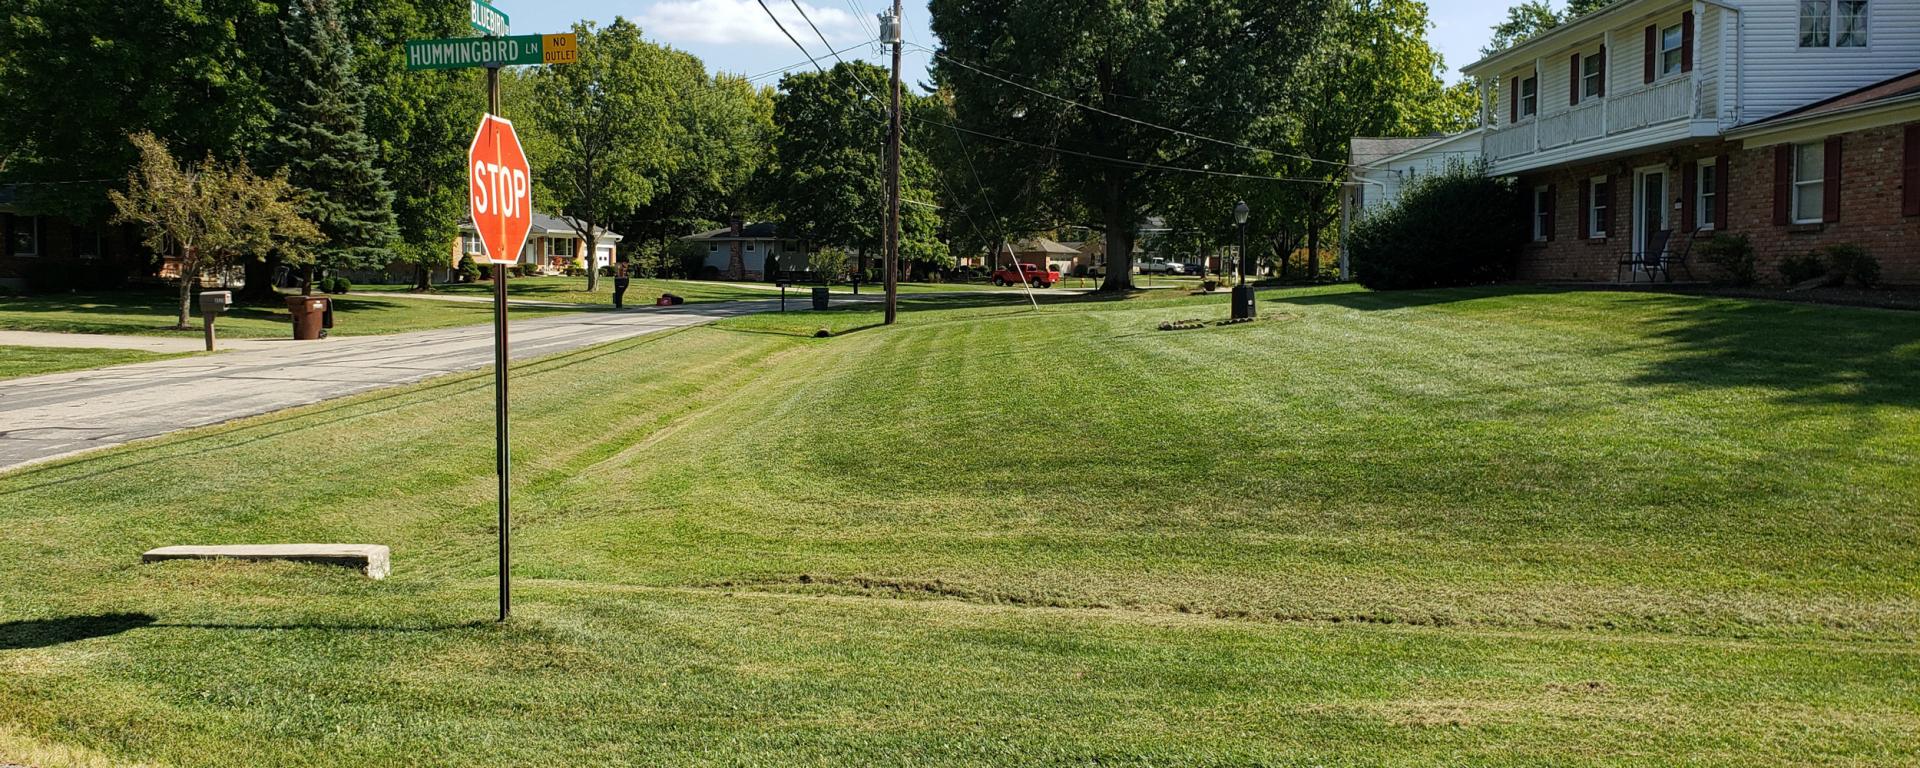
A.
x: 320, y: 137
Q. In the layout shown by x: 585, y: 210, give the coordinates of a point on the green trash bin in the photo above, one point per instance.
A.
x: 819, y: 297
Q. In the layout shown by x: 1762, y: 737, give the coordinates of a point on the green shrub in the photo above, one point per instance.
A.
x: 335, y: 284
x: 1455, y: 228
x: 1852, y: 263
x: 1733, y: 256
x: 1799, y: 269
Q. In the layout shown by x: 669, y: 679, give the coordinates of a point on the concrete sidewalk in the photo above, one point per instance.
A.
x: 162, y: 344
x: 61, y: 414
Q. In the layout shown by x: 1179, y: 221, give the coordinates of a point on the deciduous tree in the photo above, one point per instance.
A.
x: 1208, y: 68
x: 210, y: 214
x: 606, y: 122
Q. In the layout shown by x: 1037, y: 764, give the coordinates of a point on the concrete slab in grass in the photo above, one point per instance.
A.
x: 370, y: 559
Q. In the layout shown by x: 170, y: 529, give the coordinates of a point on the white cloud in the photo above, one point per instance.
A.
x: 742, y: 22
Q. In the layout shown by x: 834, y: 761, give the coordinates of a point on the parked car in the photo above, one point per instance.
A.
x: 1162, y: 267
x: 1036, y: 276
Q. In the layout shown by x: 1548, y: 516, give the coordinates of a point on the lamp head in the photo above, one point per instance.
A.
x: 1240, y: 212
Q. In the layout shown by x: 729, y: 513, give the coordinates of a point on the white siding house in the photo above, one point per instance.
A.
x: 1641, y: 74
x: 552, y: 245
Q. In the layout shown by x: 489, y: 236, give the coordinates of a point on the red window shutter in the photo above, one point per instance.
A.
x: 1686, y: 41
x: 1834, y: 177
x: 1603, y: 71
x: 1573, y: 80
x: 1653, y: 50
x: 1782, y: 185
x: 1721, y: 192
x: 1689, y: 196
x: 1910, y: 175
x: 1513, y: 102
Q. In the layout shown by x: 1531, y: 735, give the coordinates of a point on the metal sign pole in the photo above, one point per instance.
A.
x: 503, y: 466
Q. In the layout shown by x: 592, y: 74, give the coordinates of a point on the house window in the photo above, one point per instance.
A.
x: 1530, y: 96
x: 1809, y: 182
x: 1542, y: 210
x: 559, y: 246
x: 1592, y: 74
x: 1706, y: 195
x: 26, y: 236
x: 713, y: 248
x: 1671, y: 57
x: 1833, y: 23
x: 749, y: 247
x: 1599, y: 194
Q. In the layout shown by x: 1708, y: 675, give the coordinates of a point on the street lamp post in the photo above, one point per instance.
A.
x: 1242, y: 293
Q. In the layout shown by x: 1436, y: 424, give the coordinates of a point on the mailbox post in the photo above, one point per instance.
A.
x: 212, y: 305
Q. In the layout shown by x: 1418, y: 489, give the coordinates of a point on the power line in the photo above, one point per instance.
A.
x: 1121, y: 161
x: 796, y: 41
x: 836, y: 56
x: 1109, y: 113
x: 798, y: 64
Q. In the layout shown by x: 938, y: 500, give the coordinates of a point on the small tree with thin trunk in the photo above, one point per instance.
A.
x: 211, y: 214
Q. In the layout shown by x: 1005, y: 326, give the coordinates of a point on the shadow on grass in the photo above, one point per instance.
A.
x: 1806, y: 354
x: 43, y: 633
x: 1374, y: 301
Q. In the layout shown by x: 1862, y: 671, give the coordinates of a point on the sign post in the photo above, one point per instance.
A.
x: 499, y: 198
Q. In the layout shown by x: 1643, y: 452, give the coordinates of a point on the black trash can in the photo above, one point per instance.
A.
x: 819, y: 297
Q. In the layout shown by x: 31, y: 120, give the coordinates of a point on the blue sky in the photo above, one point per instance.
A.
x: 736, y: 36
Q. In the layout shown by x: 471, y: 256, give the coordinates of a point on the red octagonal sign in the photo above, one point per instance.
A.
x: 499, y: 190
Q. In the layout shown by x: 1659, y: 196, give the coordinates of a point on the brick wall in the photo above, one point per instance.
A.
x: 1871, y: 189
x: 1573, y: 256
x: 1871, y: 186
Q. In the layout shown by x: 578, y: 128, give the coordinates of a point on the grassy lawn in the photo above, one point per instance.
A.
x: 33, y: 361
x: 1504, y: 527
x: 573, y: 290
x: 152, y: 313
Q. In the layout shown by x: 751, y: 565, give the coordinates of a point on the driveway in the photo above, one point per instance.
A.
x: 48, y: 417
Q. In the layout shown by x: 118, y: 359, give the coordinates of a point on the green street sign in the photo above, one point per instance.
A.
x: 517, y: 50
x: 488, y: 20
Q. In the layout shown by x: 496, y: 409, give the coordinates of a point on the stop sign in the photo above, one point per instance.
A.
x: 499, y: 191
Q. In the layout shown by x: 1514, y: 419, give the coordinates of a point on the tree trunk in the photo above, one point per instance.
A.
x: 1313, y: 254
x: 1119, y: 221
x: 186, y: 298
x: 306, y: 280
x: 590, y: 246
x: 422, y: 278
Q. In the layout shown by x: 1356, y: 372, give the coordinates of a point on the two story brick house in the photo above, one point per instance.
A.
x: 1652, y: 122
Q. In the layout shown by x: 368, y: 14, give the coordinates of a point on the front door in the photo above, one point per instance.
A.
x: 1649, y: 212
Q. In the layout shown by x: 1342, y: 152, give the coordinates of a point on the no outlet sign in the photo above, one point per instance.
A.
x: 499, y: 189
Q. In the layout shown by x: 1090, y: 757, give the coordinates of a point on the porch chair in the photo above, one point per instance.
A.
x: 1659, y: 258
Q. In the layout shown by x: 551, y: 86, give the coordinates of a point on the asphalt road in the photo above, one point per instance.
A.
x: 62, y: 414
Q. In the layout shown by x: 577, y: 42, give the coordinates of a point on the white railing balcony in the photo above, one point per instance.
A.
x: 1664, y: 101
x: 1510, y: 141
x: 1582, y: 123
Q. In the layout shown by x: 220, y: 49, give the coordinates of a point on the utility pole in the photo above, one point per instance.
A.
x: 891, y: 29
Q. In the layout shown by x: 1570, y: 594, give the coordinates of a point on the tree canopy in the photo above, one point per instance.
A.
x: 1132, y: 71
x: 829, y: 184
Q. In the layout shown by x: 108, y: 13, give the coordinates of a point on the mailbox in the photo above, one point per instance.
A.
x: 215, y: 302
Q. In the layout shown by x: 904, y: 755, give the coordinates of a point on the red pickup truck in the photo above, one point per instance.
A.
x: 1036, y: 276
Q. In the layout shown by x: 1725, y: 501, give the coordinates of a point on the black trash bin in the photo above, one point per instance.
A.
x: 819, y: 297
